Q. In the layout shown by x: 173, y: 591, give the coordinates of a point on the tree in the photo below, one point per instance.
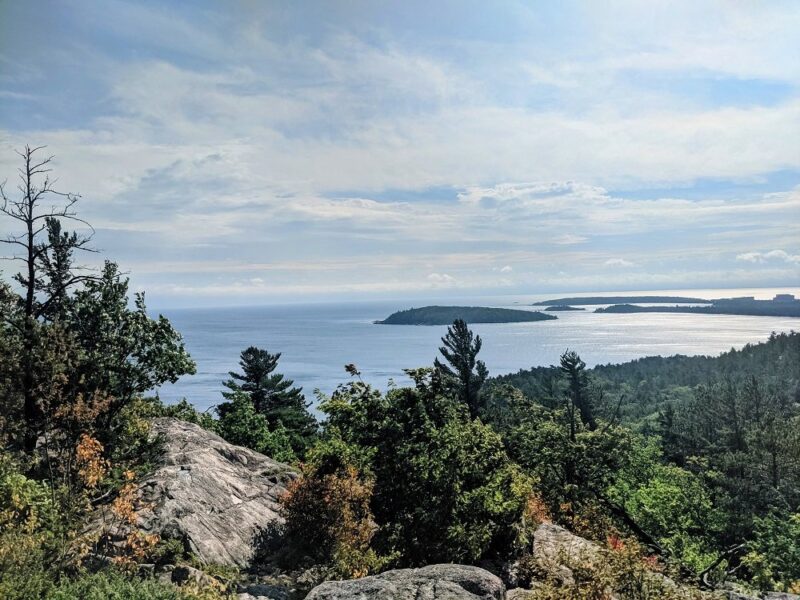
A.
x: 125, y: 352
x: 240, y: 424
x: 272, y: 396
x: 444, y: 488
x: 42, y: 247
x: 45, y: 253
x: 466, y: 374
x: 578, y: 398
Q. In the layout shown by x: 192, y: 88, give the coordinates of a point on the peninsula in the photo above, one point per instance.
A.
x: 783, y: 305
x: 563, y: 308
x: 622, y: 300
x: 445, y: 315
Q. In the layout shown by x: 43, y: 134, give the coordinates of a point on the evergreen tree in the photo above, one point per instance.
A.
x: 578, y: 396
x: 464, y: 372
x: 273, y: 396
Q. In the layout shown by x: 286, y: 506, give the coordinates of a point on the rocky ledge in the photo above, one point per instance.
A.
x: 213, y: 496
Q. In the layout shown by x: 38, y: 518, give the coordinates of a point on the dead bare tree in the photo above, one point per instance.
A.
x: 47, y: 272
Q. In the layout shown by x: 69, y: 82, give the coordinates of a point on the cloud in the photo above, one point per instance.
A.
x: 771, y: 256
x: 618, y: 262
x: 261, y: 150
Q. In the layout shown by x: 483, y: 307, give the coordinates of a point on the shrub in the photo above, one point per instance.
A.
x: 117, y: 585
x: 31, y: 534
x: 328, y: 518
x: 242, y: 425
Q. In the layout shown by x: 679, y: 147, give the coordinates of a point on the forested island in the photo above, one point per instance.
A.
x: 584, y: 301
x: 563, y: 308
x: 731, y: 306
x: 445, y: 315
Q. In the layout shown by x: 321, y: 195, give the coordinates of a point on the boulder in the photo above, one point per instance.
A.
x: 739, y: 595
x: 216, y: 497
x: 555, y: 544
x: 184, y: 574
x: 261, y: 591
x: 434, y: 582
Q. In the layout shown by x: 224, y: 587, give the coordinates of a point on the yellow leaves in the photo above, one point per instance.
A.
x: 136, y: 545
x: 535, y: 510
x: 92, y: 467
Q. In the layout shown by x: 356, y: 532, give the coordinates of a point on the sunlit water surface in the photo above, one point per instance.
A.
x: 317, y: 340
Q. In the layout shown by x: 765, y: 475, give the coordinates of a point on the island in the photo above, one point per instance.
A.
x: 445, y: 315
x: 622, y: 300
x: 783, y: 305
x: 563, y: 308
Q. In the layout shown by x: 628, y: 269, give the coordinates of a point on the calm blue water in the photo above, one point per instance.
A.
x: 317, y: 340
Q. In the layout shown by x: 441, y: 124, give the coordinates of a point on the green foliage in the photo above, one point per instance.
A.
x: 774, y: 556
x: 283, y: 406
x: 571, y: 469
x: 578, y: 399
x: 119, y: 586
x: 461, y: 371
x: 240, y: 424
x: 328, y: 515
x: 445, y: 490
x: 677, y: 508
x: 125, y: 352
x: 31, y: 534
x: 445, y: 315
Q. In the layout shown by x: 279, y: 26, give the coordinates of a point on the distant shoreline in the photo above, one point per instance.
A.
x: 752, y: 308
x: 584, y: 301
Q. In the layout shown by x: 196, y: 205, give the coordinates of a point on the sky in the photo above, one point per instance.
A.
x: 245, y: 152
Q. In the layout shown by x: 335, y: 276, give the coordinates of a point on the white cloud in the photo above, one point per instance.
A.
x: 506, y: 269
x: 618, y: 262
x: 772, y: 255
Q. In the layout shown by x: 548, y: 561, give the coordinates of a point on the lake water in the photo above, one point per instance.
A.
x: 317, y: 340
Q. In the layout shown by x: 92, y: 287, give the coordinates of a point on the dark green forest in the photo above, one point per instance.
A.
x: 686, y: 466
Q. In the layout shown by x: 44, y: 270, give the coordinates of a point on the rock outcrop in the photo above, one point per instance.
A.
x: 556, y: 544
x: 434, y: 582
x: 212, y: 495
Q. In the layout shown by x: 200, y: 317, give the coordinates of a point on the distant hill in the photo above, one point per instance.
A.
x: 445, y: 315
x: 644, y: 385
x: 563, y: 308
x: 622, y: 300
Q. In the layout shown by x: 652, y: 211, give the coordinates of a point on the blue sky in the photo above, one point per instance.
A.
x: 246, y: 152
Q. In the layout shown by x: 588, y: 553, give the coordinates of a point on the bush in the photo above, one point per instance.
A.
x: 242, y: 425
x: 328, y: 517
x: 31, y: 534
x: 774, y: 558
x: 110, y: 584
x: 445, y: 490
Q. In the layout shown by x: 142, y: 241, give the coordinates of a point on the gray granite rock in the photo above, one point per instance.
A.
x: 212, y: 495
x: 434, y: 582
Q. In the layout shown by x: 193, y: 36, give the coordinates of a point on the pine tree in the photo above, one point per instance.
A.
x: 273, y: 396
x: 465, y: 373
x: 577, y: 390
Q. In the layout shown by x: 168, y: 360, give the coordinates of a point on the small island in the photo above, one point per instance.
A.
x: 621, y: 300
x: 783, y: 305
x: 563, y: 308
x: 445, y: 315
